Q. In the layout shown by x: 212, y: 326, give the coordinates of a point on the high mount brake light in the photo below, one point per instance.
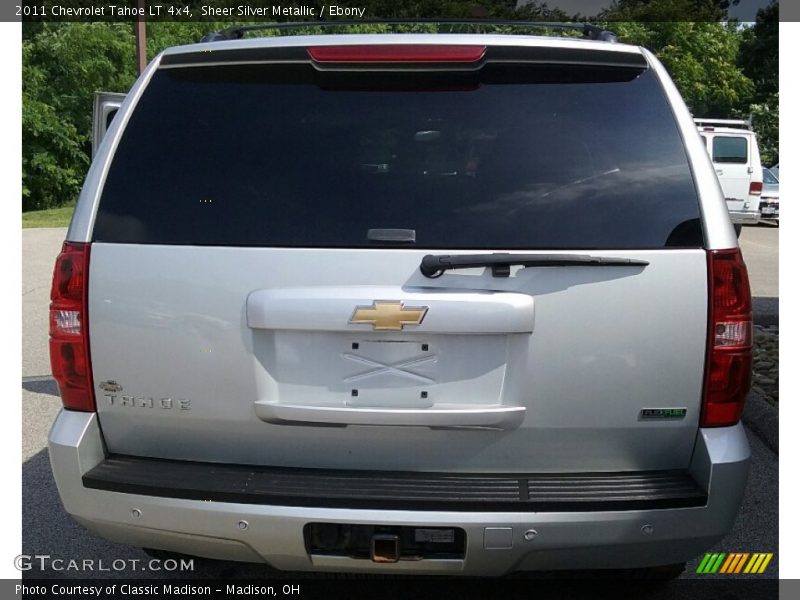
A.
x: 730, y: 343
x: 69, y: 337
x: 397, y: 53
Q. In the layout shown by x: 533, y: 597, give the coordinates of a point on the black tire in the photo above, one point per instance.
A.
x: 738, y: 229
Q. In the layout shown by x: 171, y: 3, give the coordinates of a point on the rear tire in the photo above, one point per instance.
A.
x: 738, y: 229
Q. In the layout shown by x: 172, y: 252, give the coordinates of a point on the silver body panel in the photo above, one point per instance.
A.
x: 275, y: 533
x: 582, y: 365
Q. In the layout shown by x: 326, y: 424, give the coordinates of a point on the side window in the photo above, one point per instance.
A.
x: 110, y: 117
x: 729, y: 150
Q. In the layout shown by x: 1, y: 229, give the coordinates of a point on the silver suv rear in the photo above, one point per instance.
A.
x: 414, y: 302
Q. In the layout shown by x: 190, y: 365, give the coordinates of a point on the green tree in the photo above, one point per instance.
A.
x: 700, y: 57
x: 79, y: 59
x: 765, y: 124
x: 721, y: 69
x: 758, y: 53
x: 758, y: 59
x: 667, y: 10
x: 53, y: 162
x: 63, y: 65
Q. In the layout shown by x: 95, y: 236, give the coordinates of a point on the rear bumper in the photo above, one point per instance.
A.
x: 273, y: 533
x: 745, y: 217
x: 769, y: 209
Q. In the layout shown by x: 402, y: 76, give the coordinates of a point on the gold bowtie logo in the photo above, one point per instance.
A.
x: 388, y: 315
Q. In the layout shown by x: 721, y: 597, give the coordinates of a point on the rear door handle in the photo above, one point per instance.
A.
x: 490, y: 417
x: 719, y: 171
x: 332, y: 308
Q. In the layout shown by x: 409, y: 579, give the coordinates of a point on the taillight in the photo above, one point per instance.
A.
x: 69, y: 337
x: 756, y: 187
x: 394, y: 53
x: 730, y: 344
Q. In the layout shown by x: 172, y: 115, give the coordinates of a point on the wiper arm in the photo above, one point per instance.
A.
x: 433, y: 265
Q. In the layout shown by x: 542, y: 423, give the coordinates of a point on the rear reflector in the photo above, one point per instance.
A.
x: 730, y: 344
x: 69, y: 337
x: 395, y: 53
x: 756, y: 187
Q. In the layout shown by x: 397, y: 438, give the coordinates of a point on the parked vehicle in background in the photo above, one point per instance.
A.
x: 775, y: 171
x: 769, y: 197
x: 420, y: 303
x: 106, y: 106
x: 733, y: 148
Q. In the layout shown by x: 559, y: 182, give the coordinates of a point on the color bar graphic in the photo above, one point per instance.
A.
x: 734, y: 563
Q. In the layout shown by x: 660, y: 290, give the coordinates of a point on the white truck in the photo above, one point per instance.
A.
x: 733, y: 148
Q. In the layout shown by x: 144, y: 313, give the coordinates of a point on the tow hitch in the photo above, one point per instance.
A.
x: 385, y: 543
x: 385, y: 548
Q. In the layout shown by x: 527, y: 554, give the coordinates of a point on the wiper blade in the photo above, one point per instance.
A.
x: 433, y: 265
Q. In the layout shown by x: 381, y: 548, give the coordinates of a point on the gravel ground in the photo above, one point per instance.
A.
x: 765, y: 363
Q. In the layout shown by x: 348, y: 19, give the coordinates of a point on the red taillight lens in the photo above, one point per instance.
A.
x: 394, y: 53
x: 69, y: 337
x: 756, y: 187
x: 730, y: 344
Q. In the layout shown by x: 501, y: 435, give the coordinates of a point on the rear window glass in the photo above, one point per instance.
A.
x: 518, y: 158
x: 729, y: 150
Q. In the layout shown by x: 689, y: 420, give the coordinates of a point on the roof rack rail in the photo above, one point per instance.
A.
x: 742, y: 123
x: 590, y: 31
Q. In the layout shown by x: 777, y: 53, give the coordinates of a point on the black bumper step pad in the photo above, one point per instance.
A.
x: 330, y: 488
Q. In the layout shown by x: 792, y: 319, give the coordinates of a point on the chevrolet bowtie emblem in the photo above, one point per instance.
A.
x: 389, y: 315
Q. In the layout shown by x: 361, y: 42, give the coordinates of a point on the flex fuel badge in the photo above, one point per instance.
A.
x: 650, y: 414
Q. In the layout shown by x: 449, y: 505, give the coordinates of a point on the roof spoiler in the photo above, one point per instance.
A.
x: 589, y: 31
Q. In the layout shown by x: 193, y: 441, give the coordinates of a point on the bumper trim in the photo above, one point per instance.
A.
x: 327, y: 488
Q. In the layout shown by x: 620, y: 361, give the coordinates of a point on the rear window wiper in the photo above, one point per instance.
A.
x: 434, y: 265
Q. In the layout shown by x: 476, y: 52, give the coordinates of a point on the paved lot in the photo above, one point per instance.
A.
x: 760, y: 248
x: 46, y: 529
